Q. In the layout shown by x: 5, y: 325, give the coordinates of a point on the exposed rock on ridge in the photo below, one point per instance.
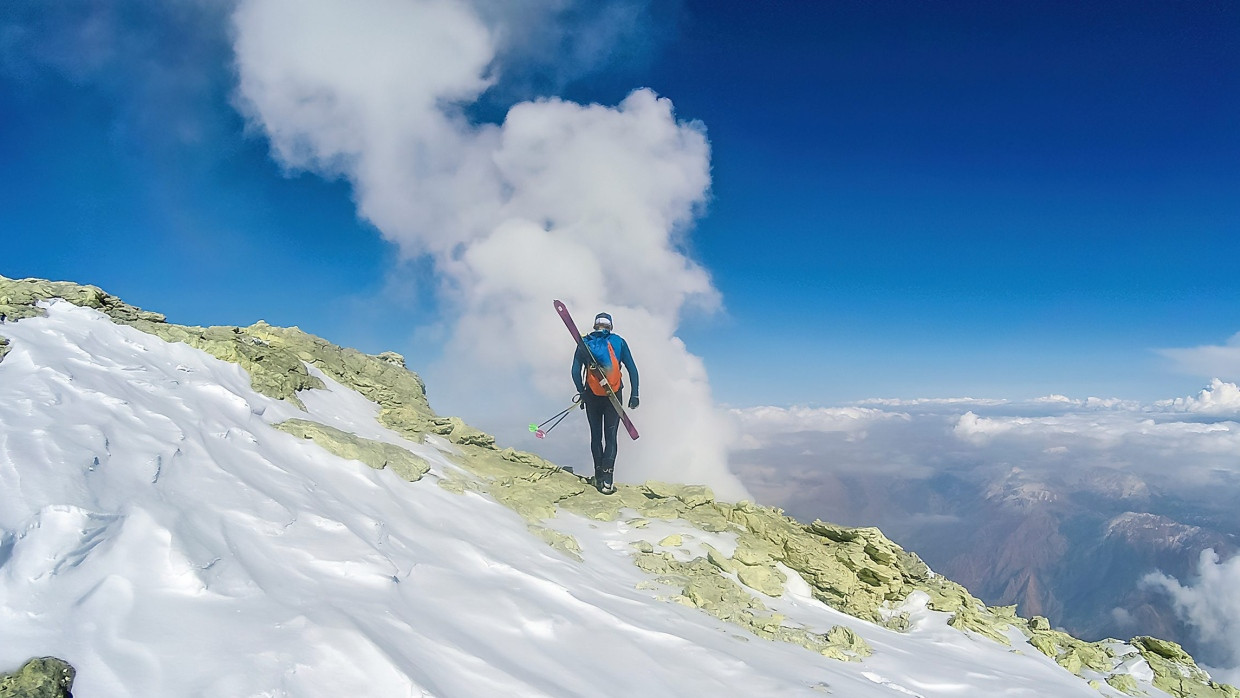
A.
x: 1175, y: 671
x: 376, y: 454
x: 44, y: 677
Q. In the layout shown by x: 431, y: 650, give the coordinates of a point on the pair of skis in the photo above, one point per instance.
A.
x: 592, y: 366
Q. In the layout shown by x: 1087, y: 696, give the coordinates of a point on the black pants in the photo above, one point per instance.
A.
x: 604, y: 421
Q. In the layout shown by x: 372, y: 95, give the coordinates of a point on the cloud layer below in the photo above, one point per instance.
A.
x: 887, y: 463
x: 1199, y: 435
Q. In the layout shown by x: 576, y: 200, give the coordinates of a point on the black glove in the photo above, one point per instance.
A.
x: 581, y: 400
x: 634, y: 401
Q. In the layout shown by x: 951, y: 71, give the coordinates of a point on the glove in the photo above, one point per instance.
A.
x: 581, y: 400
x: 634, y: 401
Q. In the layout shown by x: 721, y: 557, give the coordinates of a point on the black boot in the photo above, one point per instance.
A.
x: 602, y: 478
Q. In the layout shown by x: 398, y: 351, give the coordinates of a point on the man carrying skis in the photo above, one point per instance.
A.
x: 609, y: 351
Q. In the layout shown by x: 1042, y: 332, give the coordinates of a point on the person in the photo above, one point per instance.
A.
x: 610, y: 352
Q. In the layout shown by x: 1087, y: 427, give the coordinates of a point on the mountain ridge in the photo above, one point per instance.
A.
x: 857, y: 571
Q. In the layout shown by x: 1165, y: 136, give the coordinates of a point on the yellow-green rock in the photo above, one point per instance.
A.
x: 376, y: 454
x: 707, y: 518
x: 1067, y: 651
x: 560, y: 541
x: 1087, y: 654
x: 45, y: 677
x: 691, y: 495
x: 754, y: 551
x: 768, y: 580
x: 1125, y: 683
x: 844, y: 638
x: 972, y: 620
x: 1176, y: 673
x: 1164, y: 649
x: 702, y: 586
x: 719, y: 560
x: 18, y: 299
x: 1045, y: 643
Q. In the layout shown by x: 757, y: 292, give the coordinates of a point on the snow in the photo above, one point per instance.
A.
x: 157, y: 533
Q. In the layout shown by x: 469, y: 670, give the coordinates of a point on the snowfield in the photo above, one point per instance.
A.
x: 160, y: 535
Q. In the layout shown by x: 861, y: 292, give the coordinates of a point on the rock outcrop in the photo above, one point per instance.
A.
x: 43, y: 677
x: 376, y: 454
x: 1175, y: 671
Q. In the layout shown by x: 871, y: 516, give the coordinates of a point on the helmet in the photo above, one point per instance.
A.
x: 603, y: 319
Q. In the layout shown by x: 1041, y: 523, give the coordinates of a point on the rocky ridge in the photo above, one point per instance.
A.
x: 857, y: 571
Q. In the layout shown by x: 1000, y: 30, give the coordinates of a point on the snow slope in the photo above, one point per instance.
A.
x: 161, y: 535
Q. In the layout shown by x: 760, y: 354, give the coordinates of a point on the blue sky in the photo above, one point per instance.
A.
x: 908, y: 199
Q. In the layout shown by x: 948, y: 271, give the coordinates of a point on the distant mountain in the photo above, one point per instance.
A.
x: 244, y: 511
x: 1073, y: 547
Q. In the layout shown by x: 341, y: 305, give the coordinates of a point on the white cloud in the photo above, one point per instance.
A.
x: 794, y: 419
x: 1093, y: 403
x: 761, y: 426
x: 1219, y: 398
x: 585, y: 203
x: 1056, y: 400
x: 1208, y: 360
x: 1112, y: 425
x: 1172, y: 453
x: 975, y: 428
x: 1189, y: 445
x: 932, y: 401
x: 1210, y: 603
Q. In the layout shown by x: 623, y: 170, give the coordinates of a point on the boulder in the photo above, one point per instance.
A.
x: 1176, y: 673
x: 766, y: 579
x: 44, y: 677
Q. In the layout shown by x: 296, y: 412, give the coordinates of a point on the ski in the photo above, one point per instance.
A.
x: 598, y: 370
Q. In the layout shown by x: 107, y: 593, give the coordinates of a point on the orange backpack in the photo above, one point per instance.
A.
x: 612, y: 374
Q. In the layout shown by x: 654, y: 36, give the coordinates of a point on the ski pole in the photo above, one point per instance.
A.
x: 541, y: 433
x: 559, y: 417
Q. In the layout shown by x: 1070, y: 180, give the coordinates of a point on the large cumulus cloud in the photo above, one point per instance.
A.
x: 586, y: 203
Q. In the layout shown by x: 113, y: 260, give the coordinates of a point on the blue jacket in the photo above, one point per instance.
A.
x: 623, y: 354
